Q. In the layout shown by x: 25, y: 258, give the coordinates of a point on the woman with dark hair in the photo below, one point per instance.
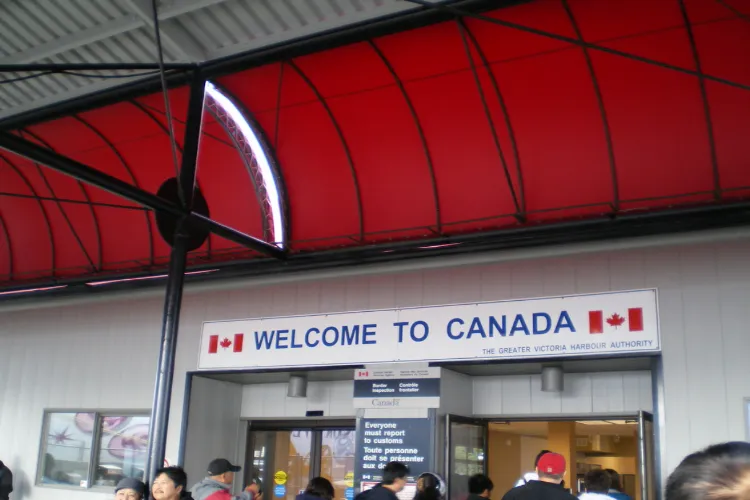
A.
x: 615, y: 491
x: 430, y: 487
x: 720, y: 472
x: 170, y: 483
x: 317, y: 488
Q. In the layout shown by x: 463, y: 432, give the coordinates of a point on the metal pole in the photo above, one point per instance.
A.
x: 157, y: 442
x: 61, y: 67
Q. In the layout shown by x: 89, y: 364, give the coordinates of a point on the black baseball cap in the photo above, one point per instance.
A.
x: 220, y: 466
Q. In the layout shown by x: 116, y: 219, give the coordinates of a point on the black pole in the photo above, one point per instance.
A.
x: 186, y: 176
x: 61, y: 67
x: 157, y: 442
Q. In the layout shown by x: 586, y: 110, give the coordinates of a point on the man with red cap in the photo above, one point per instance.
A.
x: 551, y: 469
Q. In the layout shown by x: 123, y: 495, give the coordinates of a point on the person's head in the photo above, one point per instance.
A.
x: 394, y: 476
x: 538, y: 456
x: 255, y: 486
x: 1, y: 464
x: 481, y: 485
x: 130, y: 488
x: 430, y: 487
x: 169, y: 483
x: 597, y: 481
x: 719, y: 472
x: 222, y: 470
x: 320, y: 487
x: 615, y: 477
x: 551, y: 467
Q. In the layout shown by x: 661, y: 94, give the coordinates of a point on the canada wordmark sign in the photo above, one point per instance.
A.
x: 574, y: 325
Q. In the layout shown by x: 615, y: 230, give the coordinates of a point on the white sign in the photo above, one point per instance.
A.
x: 577, y: 325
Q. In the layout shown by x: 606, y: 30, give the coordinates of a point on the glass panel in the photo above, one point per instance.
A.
x: 282, y: 460
x: 466, y: 456
x: 67, y: 449
x: 123, y: 448
x: 337, y: 461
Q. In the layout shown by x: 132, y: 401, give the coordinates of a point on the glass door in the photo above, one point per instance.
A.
x: 646, y: 464
x: 285, y: 456
x: 337, y: 461
x: 467, y: 450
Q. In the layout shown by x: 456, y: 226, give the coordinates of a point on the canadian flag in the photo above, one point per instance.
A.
x: 634, y: 320
x: 214, y: 343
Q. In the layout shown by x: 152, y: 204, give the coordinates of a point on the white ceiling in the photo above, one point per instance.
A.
x: 122, y: 31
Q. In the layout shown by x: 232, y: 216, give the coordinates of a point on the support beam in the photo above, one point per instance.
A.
x: 191, y: 142
x: 46, y: 67
x: 167, y: 349
x: 84, y: 173
x: 159, y: 422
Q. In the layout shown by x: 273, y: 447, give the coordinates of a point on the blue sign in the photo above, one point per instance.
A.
x: 279, y: 491
x: 406, y: 440
x: 349, y: 494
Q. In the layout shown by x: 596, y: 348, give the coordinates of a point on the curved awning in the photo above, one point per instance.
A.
x: 542, y: 112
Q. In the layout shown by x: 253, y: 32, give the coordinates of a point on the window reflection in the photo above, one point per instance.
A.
x: 122, y: 452
x: 67, y: 450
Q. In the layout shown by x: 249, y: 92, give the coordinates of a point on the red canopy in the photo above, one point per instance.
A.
x: 465, y: 126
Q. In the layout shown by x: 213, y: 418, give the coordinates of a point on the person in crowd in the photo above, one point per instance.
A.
x: 550, y: 470
x: 480, y: 487
x: 6, y: 482
x: 130, y: 488
x: 170, y: 483
x: 719, y: 472
x: 255, y: 488
x: 615, y: 491
x: 430, y: 487
x: 596, y: 484
x: 318, y: 488
x: 532, y: 476
x: 218, y: 483
x: 394, y: 480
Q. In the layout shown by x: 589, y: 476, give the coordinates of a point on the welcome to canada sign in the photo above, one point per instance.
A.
x: 575, y: 325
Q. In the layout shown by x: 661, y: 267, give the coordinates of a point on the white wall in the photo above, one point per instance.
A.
x: 613, y: 392
x: 269, y: 400
x: 102, y: 354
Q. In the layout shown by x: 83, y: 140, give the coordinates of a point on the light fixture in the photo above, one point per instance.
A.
x: 297, y: 387
x: 32, y: 290
x: 143, y: 278
x: 269, y: 179
x: 552, y: 379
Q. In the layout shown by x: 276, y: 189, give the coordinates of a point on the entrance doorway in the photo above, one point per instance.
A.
x: 505, y: 450
x: 286, y: 455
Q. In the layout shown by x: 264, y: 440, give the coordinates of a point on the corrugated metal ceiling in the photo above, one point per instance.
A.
x: 121, y: 31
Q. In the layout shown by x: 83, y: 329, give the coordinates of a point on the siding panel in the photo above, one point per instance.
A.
x: 102, y: 353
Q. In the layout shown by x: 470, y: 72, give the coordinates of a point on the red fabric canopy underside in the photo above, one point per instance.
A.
x: 436, y: 131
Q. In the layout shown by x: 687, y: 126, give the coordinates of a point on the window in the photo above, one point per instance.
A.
x: 92, y: 449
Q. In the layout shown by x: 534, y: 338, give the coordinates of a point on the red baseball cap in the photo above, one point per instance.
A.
x: 552, y: 463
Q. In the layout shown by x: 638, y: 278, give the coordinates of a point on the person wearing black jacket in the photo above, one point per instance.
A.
x: 480, y: 487
x: 551, y: 470
x: 394, y: 480
x: 6, y: 482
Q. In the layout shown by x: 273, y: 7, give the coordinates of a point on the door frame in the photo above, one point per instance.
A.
x: 316, y: 426
x: 451, y: 418
x: 485, y: 420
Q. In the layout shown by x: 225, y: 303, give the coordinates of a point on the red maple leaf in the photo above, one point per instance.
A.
x: 226, y: 342
x: 615, y: 320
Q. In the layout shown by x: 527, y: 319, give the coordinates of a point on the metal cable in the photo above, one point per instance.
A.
x: 165, y: 91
